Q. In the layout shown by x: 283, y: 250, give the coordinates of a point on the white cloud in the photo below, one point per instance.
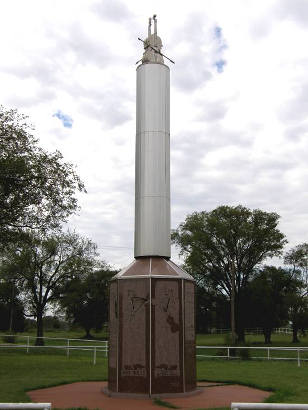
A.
x: 238, y: 136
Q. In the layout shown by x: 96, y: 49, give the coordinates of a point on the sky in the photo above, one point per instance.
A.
x: 239, y: 104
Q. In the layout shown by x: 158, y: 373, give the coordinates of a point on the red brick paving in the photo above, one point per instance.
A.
x: 89, y: 394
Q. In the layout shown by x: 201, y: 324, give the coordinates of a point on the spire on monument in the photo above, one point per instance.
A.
x: 152, y: 45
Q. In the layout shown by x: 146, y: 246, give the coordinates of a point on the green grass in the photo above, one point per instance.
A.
x: 278, y: 339
x: 287, y: 381
x: 59, y: 334
x: 20, y: 372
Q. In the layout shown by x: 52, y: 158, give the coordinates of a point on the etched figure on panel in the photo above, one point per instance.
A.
x: 167, y: 328
x: 137, y: 303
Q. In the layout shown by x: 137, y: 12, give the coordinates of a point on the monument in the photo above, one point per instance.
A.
x: 152, y: 303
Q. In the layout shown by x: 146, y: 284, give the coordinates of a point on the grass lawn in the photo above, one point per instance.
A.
x: 288, y: 382
x: 20, y: 372
x: 60, y: 335
x: 278, y: 339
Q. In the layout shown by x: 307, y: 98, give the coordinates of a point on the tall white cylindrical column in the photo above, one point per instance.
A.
x: 151, y: 304
x: 152, y: 186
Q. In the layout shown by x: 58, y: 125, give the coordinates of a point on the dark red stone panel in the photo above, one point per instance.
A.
x: 189, y: 336
x: 113, y: 336
x: 167, y: 366
x: 133, y: 336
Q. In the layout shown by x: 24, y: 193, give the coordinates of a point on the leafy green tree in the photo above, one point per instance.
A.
x: 225, y: 245
x: 85, y: 299
x: 268, y: 299
x: 54, y: 322
x: 212, y: 310
x: 298, y: 312
x: 11, y: 307
x: 204, y: 310
x: 44, y: 264
x: 297, y: 259
x: 37, y: 188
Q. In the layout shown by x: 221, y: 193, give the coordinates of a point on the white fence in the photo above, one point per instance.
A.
x: 299, y: 354
x: 254, y: 331
x: 67, y: 347
x: 268, y: 350
x: 268, y: 406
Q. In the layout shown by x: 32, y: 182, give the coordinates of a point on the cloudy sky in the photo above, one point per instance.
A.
x: 239, y: 103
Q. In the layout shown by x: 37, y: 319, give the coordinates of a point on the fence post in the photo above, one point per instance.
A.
x: 228, y: 353
x: 268, y: 353
x: 298, y: 358
x: 94, y: 356
x: 106, y: 347
x: 28, y: 343
x: 68, y: 348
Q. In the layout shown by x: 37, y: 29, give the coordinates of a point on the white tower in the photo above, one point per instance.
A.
x: 152, y: 183
x: 151, y: 302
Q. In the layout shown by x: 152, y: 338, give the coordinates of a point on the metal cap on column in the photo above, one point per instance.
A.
x: 152, y: 183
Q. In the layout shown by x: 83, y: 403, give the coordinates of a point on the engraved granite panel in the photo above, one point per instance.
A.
x: 190, y: 351
x: 113, y: 336
x: 134, y: 357
x: 166, y: 336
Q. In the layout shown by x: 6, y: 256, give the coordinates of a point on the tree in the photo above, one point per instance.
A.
x: 267, y: 303
x: 211, y: 310
x: 228, y: 241
x: 204, y: 309
x: 298, y: 311
x: 11, y: 308
x: 85, y: 299
x: 44, y: 264
x: 37, y: 188
x: 297, y: 259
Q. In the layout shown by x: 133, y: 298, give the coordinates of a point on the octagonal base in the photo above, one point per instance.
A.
x: 152, y: 330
